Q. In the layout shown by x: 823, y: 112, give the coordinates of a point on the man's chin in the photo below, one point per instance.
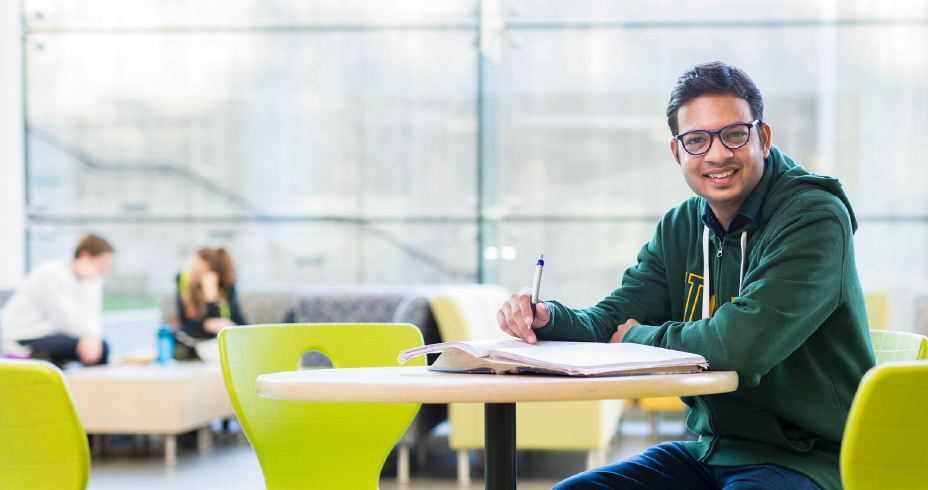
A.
x: 724, y: 200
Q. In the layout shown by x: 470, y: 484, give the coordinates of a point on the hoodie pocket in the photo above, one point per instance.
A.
x: 764, y: 426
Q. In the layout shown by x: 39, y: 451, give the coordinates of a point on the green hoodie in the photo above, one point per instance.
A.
x: 795, y: 331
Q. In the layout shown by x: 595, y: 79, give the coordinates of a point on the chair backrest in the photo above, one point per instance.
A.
x: 42, y: 443
x: 309, y: 444
x: 898, y: 346
x: 884, y: 444
x: 468, y: 312
x: 877, y: 310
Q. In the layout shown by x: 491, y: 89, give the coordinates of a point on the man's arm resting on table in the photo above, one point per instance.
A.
x: 774, y: 315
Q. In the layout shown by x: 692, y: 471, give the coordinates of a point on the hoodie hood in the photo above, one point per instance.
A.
x: 789, y: 179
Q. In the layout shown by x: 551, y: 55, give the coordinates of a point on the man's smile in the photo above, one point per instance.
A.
x: 721, y: 177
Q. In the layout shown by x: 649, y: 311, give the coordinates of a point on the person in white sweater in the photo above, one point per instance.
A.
x: 56, y: 312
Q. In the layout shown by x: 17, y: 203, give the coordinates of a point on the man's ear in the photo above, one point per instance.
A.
x: 764, y: 131
x: 673, y: 149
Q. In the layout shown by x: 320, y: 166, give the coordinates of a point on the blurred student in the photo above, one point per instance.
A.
x: 56, y: 313
x: 206, y: 300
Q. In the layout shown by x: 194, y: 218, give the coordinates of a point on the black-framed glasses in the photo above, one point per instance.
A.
x: 733, y: 136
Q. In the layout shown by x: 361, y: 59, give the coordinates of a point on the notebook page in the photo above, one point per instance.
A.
x: 594, y: 355
x: 476, y: 348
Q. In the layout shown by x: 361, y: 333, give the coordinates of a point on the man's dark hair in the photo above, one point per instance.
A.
x: 713, y: 78
x: 94, y: 245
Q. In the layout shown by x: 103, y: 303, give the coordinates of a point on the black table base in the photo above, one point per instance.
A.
x: 500, y: 427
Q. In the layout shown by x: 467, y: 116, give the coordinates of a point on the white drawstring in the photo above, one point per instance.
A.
x: 705, y: 268
x: 744, y: 247
x: 705, y: 272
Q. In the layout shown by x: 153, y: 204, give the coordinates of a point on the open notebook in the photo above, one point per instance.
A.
x: 551, y: 357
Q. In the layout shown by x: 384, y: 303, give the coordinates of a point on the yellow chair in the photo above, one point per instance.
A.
x: 42, y: 443
x: 313, y: 444
x: 898, y: 346
x: 884, y: 439
x: 657, y: 405
x: 468, y: 312
x: 877, y: 310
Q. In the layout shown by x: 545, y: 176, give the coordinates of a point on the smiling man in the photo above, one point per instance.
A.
x: 757, y: 274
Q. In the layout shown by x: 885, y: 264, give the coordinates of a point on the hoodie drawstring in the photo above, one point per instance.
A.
x: 705, y: 268
x: 705, y: 272
x: 744, y: 247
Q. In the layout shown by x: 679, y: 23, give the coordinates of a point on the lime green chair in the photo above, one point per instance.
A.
x: 877, y: 305
x: 313, y: 444
x: 42, y: 443
x: 898, y: 346
x: 884, y: 439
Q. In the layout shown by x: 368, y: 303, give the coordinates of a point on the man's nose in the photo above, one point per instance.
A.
x: 718, y: 152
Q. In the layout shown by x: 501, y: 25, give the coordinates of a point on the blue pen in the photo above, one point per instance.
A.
x: 536, y: 284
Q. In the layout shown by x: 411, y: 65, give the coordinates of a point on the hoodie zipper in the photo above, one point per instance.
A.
x: 718, y: 275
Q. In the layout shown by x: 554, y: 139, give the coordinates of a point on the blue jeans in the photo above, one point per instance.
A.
x: 668, y: 466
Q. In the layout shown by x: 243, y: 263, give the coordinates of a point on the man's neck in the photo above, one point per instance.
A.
x: 74, y: 269
x: 724, y: 216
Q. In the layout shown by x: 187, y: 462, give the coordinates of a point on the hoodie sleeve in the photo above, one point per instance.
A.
x: 793, y: 289
x: 643, y: 296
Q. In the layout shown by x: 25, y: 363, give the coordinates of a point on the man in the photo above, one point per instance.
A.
x: 757, y: 274
x: 55, y: 314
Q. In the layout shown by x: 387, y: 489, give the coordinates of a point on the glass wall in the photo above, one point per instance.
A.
x: 431, y: 142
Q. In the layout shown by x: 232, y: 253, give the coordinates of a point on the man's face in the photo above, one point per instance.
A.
x: 87, y: 266
x: 724, y: 177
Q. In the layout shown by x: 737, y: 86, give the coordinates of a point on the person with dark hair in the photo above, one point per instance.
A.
x: 56, y: 313
x: 765, y: 253
x: 206, y: 298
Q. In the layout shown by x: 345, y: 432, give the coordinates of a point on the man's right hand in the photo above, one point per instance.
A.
x: 515, y: 316
x: 89, y: 350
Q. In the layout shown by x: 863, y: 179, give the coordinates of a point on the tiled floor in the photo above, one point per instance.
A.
x: 233, y: 465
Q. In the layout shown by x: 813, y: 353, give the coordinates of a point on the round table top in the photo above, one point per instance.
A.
x: 416, y: 384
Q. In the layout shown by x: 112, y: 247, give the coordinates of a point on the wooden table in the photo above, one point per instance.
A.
x: 499, y: 393
x: 150, y: 399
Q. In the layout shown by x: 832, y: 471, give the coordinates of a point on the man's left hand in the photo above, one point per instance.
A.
x: 617, y: 336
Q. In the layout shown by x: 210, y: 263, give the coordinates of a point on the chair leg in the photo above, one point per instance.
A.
x: 402, y: 464
x: 204, y: 440
x: 595, y: 458
x: 170, y: 450
x: 652, y: 419
x: 463, y: 468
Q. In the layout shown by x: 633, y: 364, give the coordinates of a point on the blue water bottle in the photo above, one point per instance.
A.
x: 165, y: 345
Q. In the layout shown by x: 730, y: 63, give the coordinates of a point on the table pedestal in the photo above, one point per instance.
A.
x: 500, y: 446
